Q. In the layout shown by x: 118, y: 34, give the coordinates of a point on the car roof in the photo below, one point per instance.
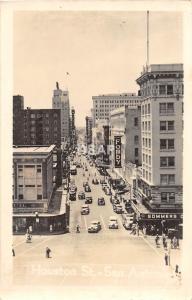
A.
x: 95, y: 221
x: 112, y: 217
x: 84, y: 206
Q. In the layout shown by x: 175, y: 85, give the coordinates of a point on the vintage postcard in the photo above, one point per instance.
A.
x: 95, y: 150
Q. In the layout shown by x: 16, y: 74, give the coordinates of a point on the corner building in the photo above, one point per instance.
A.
x: 160, y: 186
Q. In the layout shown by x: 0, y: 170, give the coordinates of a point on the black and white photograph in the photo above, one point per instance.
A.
x: 94, y: 186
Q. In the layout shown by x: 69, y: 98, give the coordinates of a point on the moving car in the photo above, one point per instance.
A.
x: 101, y: 201
x: 81, y: 195
x: 94, y: 227
x: 113, y: 223
x: 87, y: 188
x: 72, y: 195
x: 85, y: 209
x: 118, y: 208
x: 88, y: 200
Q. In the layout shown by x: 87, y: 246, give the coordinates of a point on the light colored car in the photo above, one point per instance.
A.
x: 95, y: 226
x: 85, y: 209
x: 113, y: 223
x: 118, y: 208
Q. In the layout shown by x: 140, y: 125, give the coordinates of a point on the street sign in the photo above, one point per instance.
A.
x: 161, y: 216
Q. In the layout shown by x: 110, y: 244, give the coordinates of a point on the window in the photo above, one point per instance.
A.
x: 149, y: 125
x: 146, y: 158
x: 149, y: 159
x: 146, y: 143
x: 163, y: 144
x: 135, y: 121
x: 171, y: 144
x: 20, y: 196
x: 170, y: 125
x: 38, y: 169
x: 149, y: 143
x: 149, y: 176
x: 143, y: 112
x: 163, y: 161
x: 143, y: 157
x: 170, y: 89
x: 163, y: 179
x: 29, y: 185
x: 145, y: 109
x: 162, y: 90
x: 171, y: 179
x: 172, y: 197
x: 136, y: 151
x: 145, y: 125
x: 162, y: 125
x: 170, y: 107
x: 149, y: 109
x: 32, y: 116
x: 162, y: 108
x: 39, y: 197
x: 136, y: 139
x: 171, y: 161
x: 164, y: 197
x: 136, y: 161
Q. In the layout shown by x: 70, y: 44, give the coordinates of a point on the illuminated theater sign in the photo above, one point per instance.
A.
x: 117, y: 149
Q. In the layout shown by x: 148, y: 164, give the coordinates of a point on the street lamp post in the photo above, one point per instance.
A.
x: 37, y: 221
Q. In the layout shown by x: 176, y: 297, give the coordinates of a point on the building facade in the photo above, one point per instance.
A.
x: 32, y: 178
x: 18, y: 124
x: 89, y: 125
x: 35, y: 126
x: 60, y: 101
x: 161, y: 87
x: 104, y: 104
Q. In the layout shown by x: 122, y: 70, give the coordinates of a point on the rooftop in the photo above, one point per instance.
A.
x: 33, y: 149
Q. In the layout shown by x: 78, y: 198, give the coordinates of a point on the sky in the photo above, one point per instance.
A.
x: 103, y: 52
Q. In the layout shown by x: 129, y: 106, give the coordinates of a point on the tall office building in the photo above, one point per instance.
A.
x: 89, y: 125
x: 104, y: 104
x: 161, y: 88
x: 18, y: 125
x: 60, y: 101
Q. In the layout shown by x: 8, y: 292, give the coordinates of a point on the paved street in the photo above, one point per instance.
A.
x: 109, y: 257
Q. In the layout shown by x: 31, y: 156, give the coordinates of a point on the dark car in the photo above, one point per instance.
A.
x: 86, y: 169
x: 88, y: 200
x: 87, y: 188
x: 95, y: 181
x: 81, y: 195
x: 101, y: 201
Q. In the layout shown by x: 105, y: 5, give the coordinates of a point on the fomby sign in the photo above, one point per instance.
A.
x: 117, y: 145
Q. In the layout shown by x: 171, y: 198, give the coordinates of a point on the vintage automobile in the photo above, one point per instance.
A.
x: 94, y: 227
x: 85, y: 209
x: 88, y: 200
x: 113, y: 223
x: 101, y: 201
x: 81, y: 195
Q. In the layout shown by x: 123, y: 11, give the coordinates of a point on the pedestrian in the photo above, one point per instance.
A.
x: 144, y: 231
x: 51, y: 228
x: 176, y: 270
x: 13, y: 252
x: 48, y: 252
x: 30, y: 229
x: 166, y: 258
x: 137, y: 229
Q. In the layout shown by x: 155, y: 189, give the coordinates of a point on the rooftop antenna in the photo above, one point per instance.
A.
x: 147, y: 39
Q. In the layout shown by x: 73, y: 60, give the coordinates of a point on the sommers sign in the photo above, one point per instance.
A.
x: 161, y: 216
x: 117, y: 153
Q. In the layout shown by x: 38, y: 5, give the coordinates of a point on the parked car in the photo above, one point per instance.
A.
x: 108, y: 192
x: 81, y: 195
x: 88, y: 200
x: 85, y: 209
x: 95, y: 181
x: 101, y: 201
x: 127, y: 220
x: 94, y: 227
x: 87, y: 188
x: 118, y: 208
x: 113, y: 223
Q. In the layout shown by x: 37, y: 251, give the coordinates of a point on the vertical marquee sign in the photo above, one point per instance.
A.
x: 117, y: 146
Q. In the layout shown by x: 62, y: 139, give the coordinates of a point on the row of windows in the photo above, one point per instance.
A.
x: 147, y: 175
x: 147, y: 142
x: 33, y: 116
x: 167, y: 179
x: 167, y: 144
x: 146, y: 109
x: 167, y: 125
x: 39, y: 197
x: 125, y: 101
x: 161, y: 89
x: 167, y: 161
x: 166, y: 107
x: 147, y: 159
x: 167, y: 197
x: 146, y: 125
